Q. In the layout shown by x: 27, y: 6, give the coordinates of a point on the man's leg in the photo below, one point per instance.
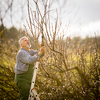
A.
x: 24, y: 88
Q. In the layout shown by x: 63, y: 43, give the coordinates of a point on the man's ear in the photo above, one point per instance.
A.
x: 21, y: 44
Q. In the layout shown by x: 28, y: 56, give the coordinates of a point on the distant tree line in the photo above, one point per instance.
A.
x: 14, y: 34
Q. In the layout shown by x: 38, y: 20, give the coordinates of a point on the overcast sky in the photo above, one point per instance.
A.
x: 83, y: 15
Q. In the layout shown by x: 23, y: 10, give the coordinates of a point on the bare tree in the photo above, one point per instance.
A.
x: 61, y: 75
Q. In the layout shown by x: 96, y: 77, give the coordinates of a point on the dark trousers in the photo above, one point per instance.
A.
x: 23, y: 82
x: 24, y: 89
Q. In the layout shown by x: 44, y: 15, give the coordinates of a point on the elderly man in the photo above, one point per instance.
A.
x: 25, y: 60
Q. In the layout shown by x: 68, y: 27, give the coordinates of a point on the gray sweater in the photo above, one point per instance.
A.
x: 23, y: 59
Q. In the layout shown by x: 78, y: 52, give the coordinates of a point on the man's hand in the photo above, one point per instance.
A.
x: 42, y: 50
x: 42, y: 44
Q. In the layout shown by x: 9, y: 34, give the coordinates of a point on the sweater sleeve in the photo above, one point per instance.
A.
x: 32, y: 52
x: 25, y: 57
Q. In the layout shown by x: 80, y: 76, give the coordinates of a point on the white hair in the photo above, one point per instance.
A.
x: 20, y: 40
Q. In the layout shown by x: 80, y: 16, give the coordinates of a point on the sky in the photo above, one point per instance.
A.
x: 81, y: 16
x: 84, y: 17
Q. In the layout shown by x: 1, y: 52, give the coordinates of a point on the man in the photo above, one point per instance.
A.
x: 25, y: 60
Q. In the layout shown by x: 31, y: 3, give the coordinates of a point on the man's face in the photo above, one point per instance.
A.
x: 25, y: 43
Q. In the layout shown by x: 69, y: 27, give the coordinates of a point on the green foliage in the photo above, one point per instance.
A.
x: 8, y: 89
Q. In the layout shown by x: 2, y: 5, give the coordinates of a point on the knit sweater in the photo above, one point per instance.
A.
x: 23, y: 59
